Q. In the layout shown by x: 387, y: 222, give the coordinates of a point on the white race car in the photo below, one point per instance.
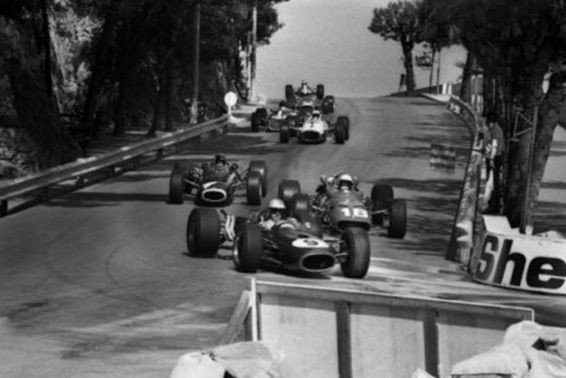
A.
x: 315, y: 129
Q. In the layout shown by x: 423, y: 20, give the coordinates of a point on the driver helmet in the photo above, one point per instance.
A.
x: 304, y: 86
x: 316, y: 114
x: 277, y: 206
x: 282, y: 104
x: 345, y: 182
x: 220, y: 159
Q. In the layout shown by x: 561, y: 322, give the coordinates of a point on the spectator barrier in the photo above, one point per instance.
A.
x: 127, y: 157
x: 325, y: 332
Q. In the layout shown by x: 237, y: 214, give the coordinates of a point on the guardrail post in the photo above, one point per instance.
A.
x: 3, y: 208
x: 159, y: 154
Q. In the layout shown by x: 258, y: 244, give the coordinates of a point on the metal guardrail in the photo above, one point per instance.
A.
x: 124, y: 155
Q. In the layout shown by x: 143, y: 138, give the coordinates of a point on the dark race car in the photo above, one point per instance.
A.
x: 287, y: 246
x: 271, y: 120
x: 348, y: 228
x: 294, y: 97
x: 209, y: 184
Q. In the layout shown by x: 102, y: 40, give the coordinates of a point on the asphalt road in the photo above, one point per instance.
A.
x: 98, y: 283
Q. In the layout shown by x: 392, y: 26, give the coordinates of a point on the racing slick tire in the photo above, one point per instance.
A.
x: 284, y: 133
x: 177, y: 184
x: 203, y: 232
x: 340, y: 131
x: 320, y: 91
x: 255, y: 122
x: 328, y: 105
x: 290, y: 96
x: 254, y: 191
x: 261, y: 167
x: 248, y: 248
x: 346, y: 121
x: 300, y: 206
x: 356, y: 242
x: 262, y: 116
x: 287, y: 190
x: 397, y: 219
x: 381, y: 199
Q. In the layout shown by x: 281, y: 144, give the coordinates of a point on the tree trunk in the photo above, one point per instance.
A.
x: 407, y: 47
x: 465, y: 89
x: 96, y: 82
x: 168, y: 89
x: 36, y: 113
x: 157, y: 108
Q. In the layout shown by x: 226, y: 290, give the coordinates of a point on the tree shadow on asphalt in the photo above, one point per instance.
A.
x: 430, y: 214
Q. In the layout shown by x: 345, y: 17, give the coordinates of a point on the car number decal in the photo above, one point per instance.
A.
x: 356, y: 212
x: 309, y: 243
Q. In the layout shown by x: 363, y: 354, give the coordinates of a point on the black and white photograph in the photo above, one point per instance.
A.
x: 283, y: 189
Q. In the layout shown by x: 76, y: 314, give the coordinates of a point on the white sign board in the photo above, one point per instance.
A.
x: 525, y: 262
x: 230, y: 99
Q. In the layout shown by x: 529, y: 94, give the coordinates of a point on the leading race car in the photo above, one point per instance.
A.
x: 289, y: 245
x: 217, y: 183
x: 315, y: 129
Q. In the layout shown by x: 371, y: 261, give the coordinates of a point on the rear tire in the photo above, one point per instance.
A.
x: 381, y: 199
x: 248, y: 249
x: 290, y: 95
x: 203, y: 232
x: 262, y: 116
x: 397, y: 219
x: 340, y: 132
x: 356, y: 264
x: 346, y: 121
x: 300, y: 206
x: 255, y: 122
x: 253, y: 188
x: 177, y: 184
x: 320, y: 91
x: 287, y: 190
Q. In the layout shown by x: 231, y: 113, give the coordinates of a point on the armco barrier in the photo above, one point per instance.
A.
x: 323, y: 332
x: 462, y: 235
x: 122, y: 156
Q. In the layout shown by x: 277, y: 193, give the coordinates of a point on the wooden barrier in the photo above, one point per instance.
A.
x: 323, y: 332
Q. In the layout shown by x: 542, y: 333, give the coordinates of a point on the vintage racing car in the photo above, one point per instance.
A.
x: 286, y: 246
x: 211, y: 186
x: 337, y: 207
x: 315, y: 129
x: 273, y: 119
x: 294, y: 97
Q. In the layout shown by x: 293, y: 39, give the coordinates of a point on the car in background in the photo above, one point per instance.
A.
x: 313, y: 128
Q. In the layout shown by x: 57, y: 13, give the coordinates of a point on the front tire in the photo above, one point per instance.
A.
x: 340, y: 132
x: 356, y: 242
x: 300, y: 207
x: 320, y: 91
x: 177, y: 184
x: 203, y: 232
x: 255, y: 122
x: 248, y: 248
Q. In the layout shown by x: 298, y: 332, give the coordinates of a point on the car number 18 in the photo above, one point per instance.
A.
x: 355, y: 212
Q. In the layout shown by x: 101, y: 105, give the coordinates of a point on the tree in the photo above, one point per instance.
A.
x: 401, y: 21
x: 23, y: 59
x: 516, y: 43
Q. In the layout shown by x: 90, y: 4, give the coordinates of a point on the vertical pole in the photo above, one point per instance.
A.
x: 526, y: 201
x: 431, y: 75
x: 253, y: 55
x: 196, y: 60
x: 438, y: 91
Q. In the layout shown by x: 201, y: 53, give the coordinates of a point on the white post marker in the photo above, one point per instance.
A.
x: 230, y: 100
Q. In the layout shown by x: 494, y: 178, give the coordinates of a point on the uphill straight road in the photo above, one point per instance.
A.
x: 98, y: 283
